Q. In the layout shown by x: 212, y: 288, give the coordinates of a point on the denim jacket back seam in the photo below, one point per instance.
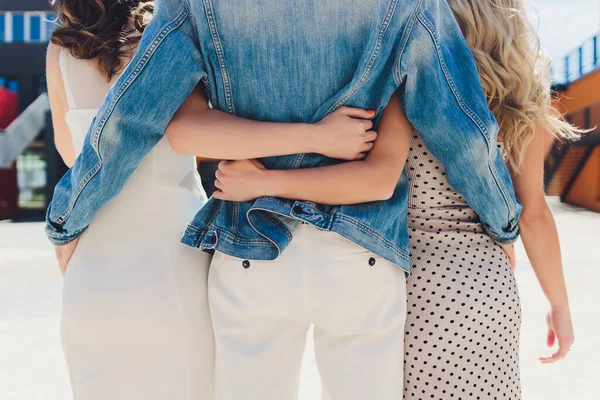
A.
x: 481, y: 127
x: 404, y: 42
x: 214, y: 32
x: 205, y: 81
x: 373, y: 58
x: 95, y: 140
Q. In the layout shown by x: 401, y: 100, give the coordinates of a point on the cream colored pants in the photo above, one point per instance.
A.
x: 262, y: 310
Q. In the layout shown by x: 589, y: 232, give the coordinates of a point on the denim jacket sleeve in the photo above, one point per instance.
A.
x: 131, y: 121
x: 445, y: 102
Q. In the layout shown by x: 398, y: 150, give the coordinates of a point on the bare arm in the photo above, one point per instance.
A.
x: 198, y: 130
x: 540, y: 238
x: 373, y: 179
x: 58, y: 106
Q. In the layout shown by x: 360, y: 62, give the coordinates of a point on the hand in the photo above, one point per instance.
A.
x: 64, y: 254
x: 242, y: 180
x: 560, y: 329
x: 345, y: 134
x: 509, y: 250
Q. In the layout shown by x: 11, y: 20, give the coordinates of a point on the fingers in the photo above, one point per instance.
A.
x: 366, y: 124
x: 559, y: 355
x: 551, y: 338
x: 257, y: 164
x: 371, y: 136
x: 357, y: 112
x: 218, y: 184
x: 223, y: 165
x: 360, y: 156
x: 220, y: 195
x: 366, y: 147
x: 565, y: 341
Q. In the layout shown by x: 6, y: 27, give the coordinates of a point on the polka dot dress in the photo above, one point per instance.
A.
x: 464, y: 315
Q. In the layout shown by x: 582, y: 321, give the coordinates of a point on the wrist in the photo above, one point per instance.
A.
x: 560, y: 307
x: 312, y: 138
x: 273, y: 180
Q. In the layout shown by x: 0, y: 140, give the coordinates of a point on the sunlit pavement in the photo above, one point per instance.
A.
x: 32, y: 368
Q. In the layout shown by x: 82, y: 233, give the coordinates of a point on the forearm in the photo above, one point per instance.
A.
x: 540, y: 238
x: 217, y: 135
x: 348, y: 183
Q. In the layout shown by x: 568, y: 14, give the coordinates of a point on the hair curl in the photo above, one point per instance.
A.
x: 103, y: 30
x: 514, y: 71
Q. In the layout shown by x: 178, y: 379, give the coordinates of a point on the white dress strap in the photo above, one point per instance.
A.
x: 64, y: 68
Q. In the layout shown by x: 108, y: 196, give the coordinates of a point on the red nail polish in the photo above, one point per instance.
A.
x: 372, y: 112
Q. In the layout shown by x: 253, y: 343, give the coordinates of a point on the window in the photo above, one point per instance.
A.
x: 2, y: 24
x: 28, y: 27
x: 35, y: 30
x: 18, y: 28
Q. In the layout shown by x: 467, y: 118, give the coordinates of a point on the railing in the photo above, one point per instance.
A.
x: 578, y: 62
x: 586, y: 118
x: 555, y: 159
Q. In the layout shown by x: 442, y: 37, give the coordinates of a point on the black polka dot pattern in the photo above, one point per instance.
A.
x: 463, y: 308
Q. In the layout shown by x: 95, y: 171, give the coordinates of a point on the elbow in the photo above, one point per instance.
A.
x: 384, y: 189
x: 67, y: 154
x: 533, y: 216
x: 384, y: 193
x: 176, y: 142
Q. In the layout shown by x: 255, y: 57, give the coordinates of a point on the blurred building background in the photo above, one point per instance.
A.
x: 30, y: 165
x: 573, y: 169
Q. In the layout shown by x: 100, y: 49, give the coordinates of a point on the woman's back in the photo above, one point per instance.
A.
x: 135, y: 320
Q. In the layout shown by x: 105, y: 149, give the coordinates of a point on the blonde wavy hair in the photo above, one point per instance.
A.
x: 514, y: 71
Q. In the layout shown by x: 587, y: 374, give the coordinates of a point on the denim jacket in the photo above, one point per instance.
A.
x: 297, y: 61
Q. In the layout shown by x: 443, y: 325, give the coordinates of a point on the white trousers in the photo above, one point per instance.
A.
x: 262, y: 310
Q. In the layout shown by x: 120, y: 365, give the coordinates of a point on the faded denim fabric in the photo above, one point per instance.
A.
x: 297, y: 61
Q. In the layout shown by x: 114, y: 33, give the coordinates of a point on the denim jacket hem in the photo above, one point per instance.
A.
x: 511, y: 237
x: 58, y: 239
x: 280, y: 234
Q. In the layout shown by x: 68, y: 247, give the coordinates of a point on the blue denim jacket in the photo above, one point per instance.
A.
x: 297, y: 61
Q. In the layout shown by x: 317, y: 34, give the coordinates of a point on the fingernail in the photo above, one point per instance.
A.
x: 372, y: 112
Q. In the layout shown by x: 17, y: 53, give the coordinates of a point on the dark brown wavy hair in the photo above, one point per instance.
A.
x: 104, y: 30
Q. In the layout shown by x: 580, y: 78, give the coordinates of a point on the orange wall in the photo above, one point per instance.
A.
x: 586, y: 190
x: 581, y: 93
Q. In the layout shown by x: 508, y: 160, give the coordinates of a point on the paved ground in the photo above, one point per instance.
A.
x: 31, y: 365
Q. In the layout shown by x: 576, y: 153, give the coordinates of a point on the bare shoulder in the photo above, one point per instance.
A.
x: 53, y: 57
x: 54, y: 76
